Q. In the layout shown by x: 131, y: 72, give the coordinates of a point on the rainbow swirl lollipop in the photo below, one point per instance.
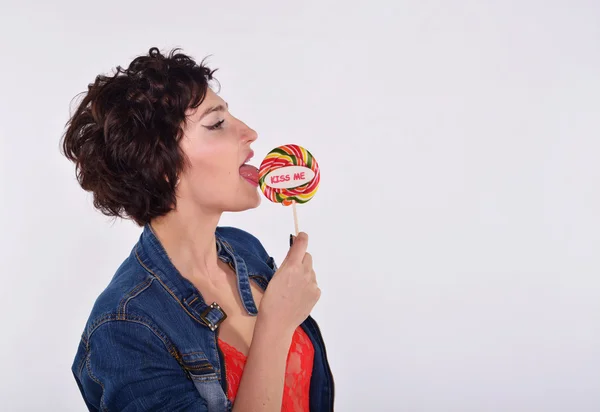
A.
x: 289, y: 174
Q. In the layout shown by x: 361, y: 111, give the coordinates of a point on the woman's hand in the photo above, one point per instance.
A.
x: 287, y: 302
x: 292, y: 292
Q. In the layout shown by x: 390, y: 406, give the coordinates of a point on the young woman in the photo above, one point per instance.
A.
x: 198, y: 317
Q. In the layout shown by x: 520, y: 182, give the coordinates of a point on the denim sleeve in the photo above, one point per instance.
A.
x: 130, y: 369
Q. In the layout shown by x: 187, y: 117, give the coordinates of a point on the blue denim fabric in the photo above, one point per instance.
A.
x: 150, y: 343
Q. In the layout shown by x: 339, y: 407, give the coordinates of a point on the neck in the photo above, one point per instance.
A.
x: 188, y: 237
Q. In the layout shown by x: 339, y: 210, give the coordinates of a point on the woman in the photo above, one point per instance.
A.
x: 179, y: 321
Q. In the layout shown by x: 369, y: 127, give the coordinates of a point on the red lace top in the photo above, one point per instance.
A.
x: 297, y: 375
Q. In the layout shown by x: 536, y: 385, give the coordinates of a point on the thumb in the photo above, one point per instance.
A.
x: 298, y: 247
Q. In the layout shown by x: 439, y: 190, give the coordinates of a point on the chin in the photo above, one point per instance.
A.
x: 255, y: 202
x: 247, y: 203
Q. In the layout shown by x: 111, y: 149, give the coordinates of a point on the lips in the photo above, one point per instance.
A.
x: 250, y: 156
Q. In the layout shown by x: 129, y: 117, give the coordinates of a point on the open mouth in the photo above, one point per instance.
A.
x: 249, y: 172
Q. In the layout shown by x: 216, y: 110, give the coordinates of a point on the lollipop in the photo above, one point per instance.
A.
x: 288, y: 175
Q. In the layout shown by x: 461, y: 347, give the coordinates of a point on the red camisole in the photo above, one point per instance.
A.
x: 297, y: 375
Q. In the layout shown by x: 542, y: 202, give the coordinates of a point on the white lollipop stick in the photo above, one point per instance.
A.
x: 295, y: 217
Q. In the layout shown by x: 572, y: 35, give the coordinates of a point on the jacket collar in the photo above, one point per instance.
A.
x: 153, y: 257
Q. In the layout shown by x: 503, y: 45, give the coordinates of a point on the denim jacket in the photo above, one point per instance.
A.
x: 150, y: 343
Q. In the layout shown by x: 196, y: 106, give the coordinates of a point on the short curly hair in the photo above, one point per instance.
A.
x: 124, y: 135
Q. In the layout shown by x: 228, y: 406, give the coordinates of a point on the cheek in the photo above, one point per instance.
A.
x: 217, y: 160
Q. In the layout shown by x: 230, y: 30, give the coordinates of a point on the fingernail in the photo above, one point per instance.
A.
x: 291, y: 240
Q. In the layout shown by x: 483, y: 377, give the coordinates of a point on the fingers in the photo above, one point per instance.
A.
x: 308, y: 267
x: 297, y: 255
x: 313, y: 277
x: 307, y: 262
x: 297, y: 252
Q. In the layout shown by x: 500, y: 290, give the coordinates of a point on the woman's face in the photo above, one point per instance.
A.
x: 217, y: 146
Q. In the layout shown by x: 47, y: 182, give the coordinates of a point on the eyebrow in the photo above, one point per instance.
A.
x: 218, y: 108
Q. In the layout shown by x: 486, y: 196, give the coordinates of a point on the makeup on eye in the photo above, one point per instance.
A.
x: 216, y: 125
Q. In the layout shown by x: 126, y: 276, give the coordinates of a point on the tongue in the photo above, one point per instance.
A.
x: 249, y: 172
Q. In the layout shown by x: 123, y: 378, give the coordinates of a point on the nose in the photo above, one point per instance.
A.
x: 249, y: 135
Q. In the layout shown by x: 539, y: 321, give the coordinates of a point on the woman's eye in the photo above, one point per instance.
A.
x: 216, y: 125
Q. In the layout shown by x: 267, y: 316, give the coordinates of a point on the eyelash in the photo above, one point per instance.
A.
x: 216, y: 125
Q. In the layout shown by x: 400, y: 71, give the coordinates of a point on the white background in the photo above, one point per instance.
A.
x: 456, y: 233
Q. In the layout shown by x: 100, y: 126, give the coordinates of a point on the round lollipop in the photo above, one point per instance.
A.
x: 288, y: 175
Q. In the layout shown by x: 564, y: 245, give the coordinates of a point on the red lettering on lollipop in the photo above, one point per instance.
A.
x: 302, y: 185
x: 281, y: 178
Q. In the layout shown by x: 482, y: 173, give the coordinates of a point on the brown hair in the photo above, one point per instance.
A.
x: 124, y: 135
